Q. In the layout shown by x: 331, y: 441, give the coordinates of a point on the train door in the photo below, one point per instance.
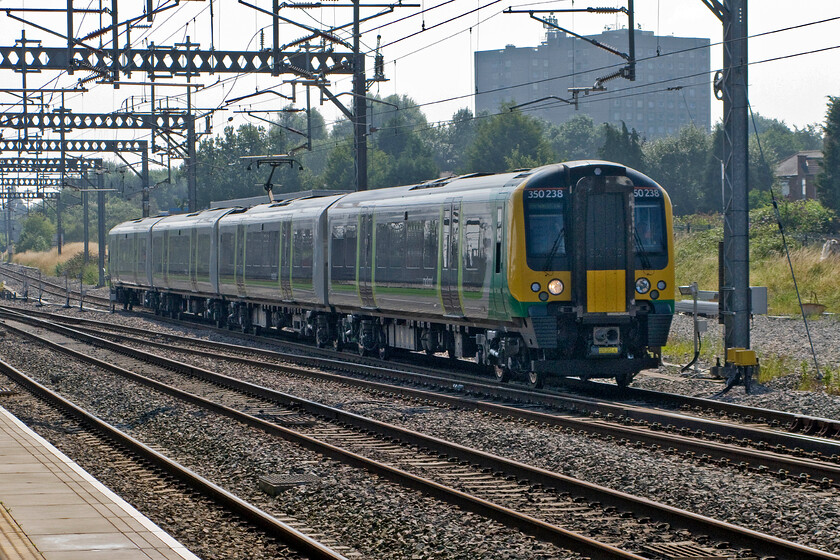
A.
x: 240, y: 259
x: 193, y: 260
x: 164, y: 258
x: 603, y: 211
x: 499, y: 274
x: 286, y: 260
x: 451, y: 257
x: 365, y: 257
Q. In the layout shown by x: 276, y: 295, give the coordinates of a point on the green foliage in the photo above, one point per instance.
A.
x: 36, y: 235
x: 74, y: 266
x: 798, y: 217
x: 449, y: 143
x: 677, y: 163
x: 622, y: 146
x: 405, y: 157
x: 504, y: 141
x: 577, y: 138
x: 828, y: 182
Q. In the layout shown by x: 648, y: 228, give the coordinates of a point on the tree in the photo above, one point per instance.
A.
x: 576, y: 139
x: 678, y: 164
x: 622, y: 146
x: 449, y: 143
x: 37, y: 234
x: 828, y: 181
x: 507, y: 141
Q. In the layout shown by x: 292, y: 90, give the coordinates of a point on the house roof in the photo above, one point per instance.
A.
x: 788, y: 167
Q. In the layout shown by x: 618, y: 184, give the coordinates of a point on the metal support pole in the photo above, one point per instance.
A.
x: 100, y: 211
x: 736, y: 271
x: 40, y: 288
x: 25, y: 285
x: 631, y: 23
x: 191, y: 187
x: 359, y: 104
x: 144, y: 178
x: 66, y: 290
x: 86, y: 220
x: 191, y: 157
x: 81, y: 289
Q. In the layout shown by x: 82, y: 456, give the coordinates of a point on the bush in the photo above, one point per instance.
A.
x: 74, y: 266
x: 798, y: 217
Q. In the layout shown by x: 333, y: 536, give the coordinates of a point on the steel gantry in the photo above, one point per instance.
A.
x: 108, y: 64
x: 731, y: 87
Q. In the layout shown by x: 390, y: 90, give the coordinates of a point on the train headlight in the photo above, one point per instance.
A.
x: 555, y: 287
x: 535, y: 287
x: 661, y: 285
x: 543, y: 296
x: 642, y: 285
x: 654, y: 295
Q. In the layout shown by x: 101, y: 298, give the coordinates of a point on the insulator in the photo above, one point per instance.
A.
x: 601, y: 81
x: 602, y: 10
x: 97, y: 33
x: 379, y: 67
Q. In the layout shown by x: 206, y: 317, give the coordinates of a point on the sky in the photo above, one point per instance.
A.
x: 429, y: 53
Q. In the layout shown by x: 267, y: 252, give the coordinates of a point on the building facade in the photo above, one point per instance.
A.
x: 672, y: 87
x: 798, y: 174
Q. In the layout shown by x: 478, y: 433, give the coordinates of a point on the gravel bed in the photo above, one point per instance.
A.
x: 376, y: 518
x: 800, y: 513
x: 797, y: 512
x: 195, y: 523
x: 790, y: 510
x: 778, y: 336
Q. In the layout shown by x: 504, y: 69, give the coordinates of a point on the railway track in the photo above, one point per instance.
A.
x: 164, y: 477
x: 758, y: 448
x: 749, y: 416
x: 473, y: 471
x: 33, y: 286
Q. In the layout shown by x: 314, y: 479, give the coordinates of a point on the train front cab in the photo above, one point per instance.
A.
x: 591, y: 271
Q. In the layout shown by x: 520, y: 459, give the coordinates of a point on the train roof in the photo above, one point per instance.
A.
x: 463, y: 185
x: 297, y: 207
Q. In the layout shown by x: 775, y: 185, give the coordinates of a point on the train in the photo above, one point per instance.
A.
x: 561, y: 270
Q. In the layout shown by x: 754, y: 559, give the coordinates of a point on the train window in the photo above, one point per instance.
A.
x: 203, y: 252
x: 383, y: 250
x: 396, y: 261
x: 650, y: 241
x: 545, y: 231
x: 337, y: 247
x: 475, y: 255
x: 302, y: 254
x: 179, y: 256
x: 226, y: 256
x: 157, y: 253
x: 258, y: 256
x: 430, y: 244
x: 414, y: 245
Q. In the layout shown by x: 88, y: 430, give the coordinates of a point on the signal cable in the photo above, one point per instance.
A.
x: 787, y: 249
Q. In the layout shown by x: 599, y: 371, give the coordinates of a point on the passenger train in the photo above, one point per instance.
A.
x: 561, y: 270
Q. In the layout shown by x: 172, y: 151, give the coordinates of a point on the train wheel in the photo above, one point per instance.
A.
x: 623, y: 380
x: 337, y: 345
x: 322, y: 338
x: 502, y: 373
x: 536, y: 379
x: 362, y: 351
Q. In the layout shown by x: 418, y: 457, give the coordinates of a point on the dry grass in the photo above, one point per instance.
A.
x: 47, y: 261
x: 817, y: 279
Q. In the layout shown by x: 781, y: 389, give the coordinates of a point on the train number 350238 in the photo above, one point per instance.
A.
x: 545, y: 193
x: 646, y: 193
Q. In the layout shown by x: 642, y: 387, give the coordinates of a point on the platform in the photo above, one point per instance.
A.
x: 51, y: 509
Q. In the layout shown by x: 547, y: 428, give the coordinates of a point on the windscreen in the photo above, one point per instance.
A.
x: 650, y: 241
x: 545, y: 229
